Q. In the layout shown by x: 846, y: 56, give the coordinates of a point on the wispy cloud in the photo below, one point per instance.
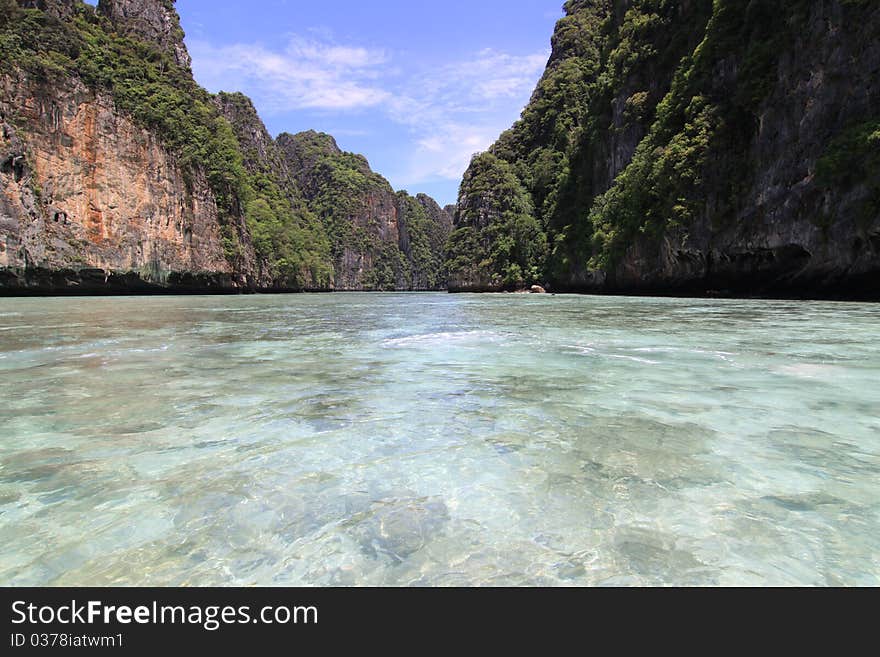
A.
x: 460, y: 109
x: 446, y: 113
x: 493, y: 75
x: 445, y: 151
x: 308, y: 74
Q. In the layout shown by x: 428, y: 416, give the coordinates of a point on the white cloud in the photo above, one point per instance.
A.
x: 308, y: 74
x: 339, y: 57
x: 445, y: 152
x: 448, y: 113
x: 460, y: 109
x: 495, y: 75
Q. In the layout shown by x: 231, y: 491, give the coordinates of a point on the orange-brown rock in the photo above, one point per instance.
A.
x: 85, y: 189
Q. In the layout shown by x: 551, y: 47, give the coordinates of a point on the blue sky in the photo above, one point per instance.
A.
x: 417, y: 87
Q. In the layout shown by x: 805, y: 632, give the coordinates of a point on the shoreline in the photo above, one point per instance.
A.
x: 174, y: 292
x: 95, y: 282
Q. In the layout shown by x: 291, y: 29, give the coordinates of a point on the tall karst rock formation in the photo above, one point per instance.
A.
x: 726, y: 146
x: 380, y: 239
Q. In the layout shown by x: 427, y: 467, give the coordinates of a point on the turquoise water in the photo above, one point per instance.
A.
x: 438, y: 440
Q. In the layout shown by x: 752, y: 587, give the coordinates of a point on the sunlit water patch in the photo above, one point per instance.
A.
x: 438, y: 440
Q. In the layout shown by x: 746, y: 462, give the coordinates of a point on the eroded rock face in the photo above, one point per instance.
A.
x: 61, y: 9
x: 440, y: 216
x: 256, y: 143
x: 678, y: 148
x: 90, y: 196
x: 423, y: 229
x: 261, y: 156
x: 790, y: 233
x: 375, y: 237
x: 93, y: 201
x: 303, y: 153
x: 357, y: 206
x: 154, y: 21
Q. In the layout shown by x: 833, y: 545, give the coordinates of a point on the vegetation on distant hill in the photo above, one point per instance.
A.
x: 553, y: 147
x: 363, y: 215
x: 345, y: 194
x: 423, y: 241
x: 284, y: 230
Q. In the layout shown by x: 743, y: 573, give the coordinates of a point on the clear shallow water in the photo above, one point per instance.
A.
x: 438, y: 440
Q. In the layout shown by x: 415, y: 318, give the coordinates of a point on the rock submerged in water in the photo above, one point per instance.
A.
x: 397, y: 528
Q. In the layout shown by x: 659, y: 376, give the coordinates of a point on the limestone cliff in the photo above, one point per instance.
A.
x: 357, y: 207
x: 61, y: 9
x: 773, y: 212
x: 99, y: 193
x: 692, y: 147
x: 292, y: 246
x: 93, y: 201
x: 380, y: 240
x: 423, y: 231
x: 151, y: 21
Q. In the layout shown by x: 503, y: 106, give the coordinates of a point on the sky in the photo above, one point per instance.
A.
x: 417, y: 87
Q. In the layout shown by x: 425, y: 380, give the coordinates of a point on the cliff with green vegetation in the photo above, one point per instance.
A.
x: 380, y: 240
x: 720, y: 147
x: 120, y: 173
x: 291, y: 243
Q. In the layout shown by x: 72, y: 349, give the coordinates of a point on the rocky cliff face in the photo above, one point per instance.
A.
x: 439, y: 218
x: 303, y: 153
x: 61, y: 9
x: 153, y: 21
x: 253, y: 138
x: 292, y: 246
x: 381, y: 240
x: 788, y: 226
x: 423, y: 231
x: 357, y: 206
x: 497, y: 243
x: 92, y: 201
x: 698, y: 147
